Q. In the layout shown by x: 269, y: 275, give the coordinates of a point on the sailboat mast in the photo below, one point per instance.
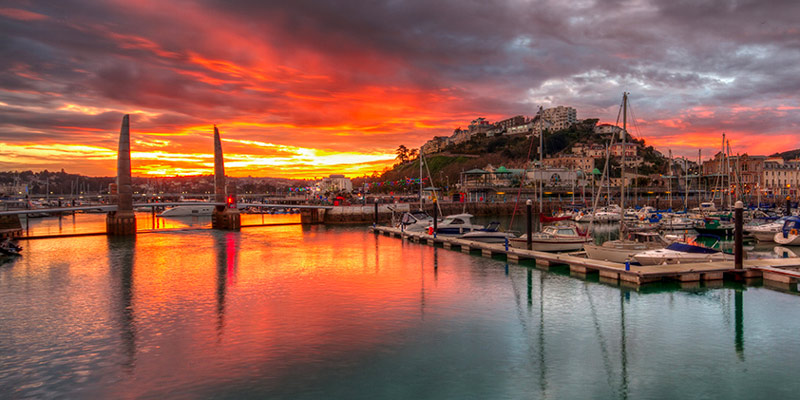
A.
x: 420, y: 179
x: 541, y: 174
x: 669, y: 176
x: 622, y: 173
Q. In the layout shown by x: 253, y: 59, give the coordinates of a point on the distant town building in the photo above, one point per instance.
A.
x: 571, y: 162
x: 509, y: 122
x: 435, y: 145
x: 560, y: 117
x: 631, y: 149
x: 335, y: 184
x: 606, y: 129
x: 479, y: 125
x: 459, y: 136
x: 589, y: 150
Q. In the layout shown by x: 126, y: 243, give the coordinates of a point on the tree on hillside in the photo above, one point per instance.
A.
x: 402, y: 153
x: 413, y: 154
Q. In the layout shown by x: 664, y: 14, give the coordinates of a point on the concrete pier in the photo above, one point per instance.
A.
x: 122, y: 222
x: 224, y: 217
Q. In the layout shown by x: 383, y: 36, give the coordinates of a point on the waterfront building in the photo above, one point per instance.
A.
x: 780, y: 178
x: 553, y: 177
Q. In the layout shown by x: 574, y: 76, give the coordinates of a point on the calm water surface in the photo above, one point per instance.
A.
x: 314, y: 312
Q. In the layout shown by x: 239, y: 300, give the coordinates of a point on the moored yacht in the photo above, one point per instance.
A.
x: 623, y: 250
x: 554, y: 238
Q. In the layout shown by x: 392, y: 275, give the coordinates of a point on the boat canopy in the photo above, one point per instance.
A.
x: 688, y: 248
x: 792, y: 225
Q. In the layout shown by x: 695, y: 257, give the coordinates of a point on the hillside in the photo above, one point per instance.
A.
x: 788, y: 155
x: 510, y: 151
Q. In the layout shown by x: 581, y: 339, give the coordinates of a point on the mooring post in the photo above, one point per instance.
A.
x: 376, y: 213
x: 528, y: 241
x: 737, y: 235
x: 435, y: 217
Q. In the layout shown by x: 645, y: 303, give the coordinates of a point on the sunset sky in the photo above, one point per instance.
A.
x: 303, y: 88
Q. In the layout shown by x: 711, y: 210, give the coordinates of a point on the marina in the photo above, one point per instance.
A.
x: 777, y: 270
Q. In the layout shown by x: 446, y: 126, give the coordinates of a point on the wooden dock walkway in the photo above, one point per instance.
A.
x: 769, y: 269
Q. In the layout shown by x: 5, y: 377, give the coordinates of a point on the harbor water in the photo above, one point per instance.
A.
x: 315, y: 312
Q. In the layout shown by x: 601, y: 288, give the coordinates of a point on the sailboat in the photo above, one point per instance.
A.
x: 622, y: 250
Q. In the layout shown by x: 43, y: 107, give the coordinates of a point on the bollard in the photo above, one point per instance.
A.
x: 376, y: 213
x: 737, y: 235
x: 530, y: 228
x: 627, y: 265
x: 435, y: 217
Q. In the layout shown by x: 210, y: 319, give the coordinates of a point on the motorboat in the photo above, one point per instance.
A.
x: 715, y: 227
x: 605, y: 214
x: 415, y: 221
x: 490, y: 234
x: 679, y: 252
x: 789, y: 233
x: 554, y: 238
x: 676, y: 223
x: 457, y: 224
x: 624, y: 250
x: 198, y: 210
x: 9, y: 248
x: 766, y: 232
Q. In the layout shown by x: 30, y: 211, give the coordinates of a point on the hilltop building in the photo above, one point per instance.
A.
x: 560, y: 117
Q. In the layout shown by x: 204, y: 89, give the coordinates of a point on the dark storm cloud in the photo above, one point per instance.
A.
x: 452, y: 58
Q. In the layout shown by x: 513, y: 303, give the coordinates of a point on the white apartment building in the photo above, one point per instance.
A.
x: 560, y: 117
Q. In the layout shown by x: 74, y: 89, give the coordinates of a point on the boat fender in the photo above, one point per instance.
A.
x: 430, y: 230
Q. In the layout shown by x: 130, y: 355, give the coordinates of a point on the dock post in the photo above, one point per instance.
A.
x: 435, y: 217
x: 374, y: 224
x: 737, y: 235
x: 528, y: 242
x: 226, y: 215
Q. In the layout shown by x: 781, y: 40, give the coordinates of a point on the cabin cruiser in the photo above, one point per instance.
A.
x: 766, y: 232
x: 490, y: 234
x: 457, y: 224
x: 675, y: 222
x: 623, y: 250
x: 605, y: 214
x: 415, y: 221
x: 789, y: 233
x: 198, y: 210
x: 714, y: 227
x: 554, y: 238
x: 679, y: 252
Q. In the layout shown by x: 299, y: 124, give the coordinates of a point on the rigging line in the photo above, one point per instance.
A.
x: 605, y: 173
x: 521, y: 182
x: 430, y: 179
